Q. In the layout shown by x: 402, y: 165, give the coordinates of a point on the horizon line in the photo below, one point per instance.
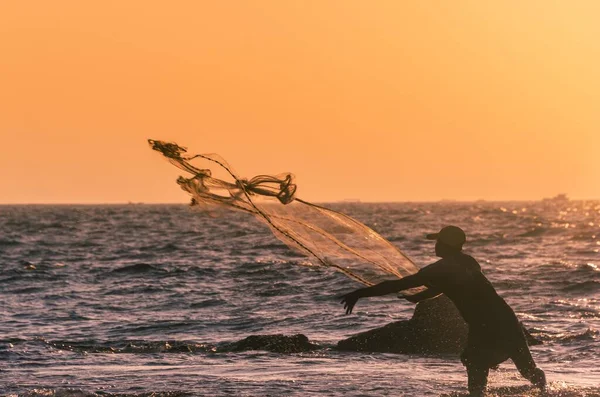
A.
x: 343, y: 201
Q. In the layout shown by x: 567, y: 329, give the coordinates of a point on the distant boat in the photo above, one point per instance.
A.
x: 559, y: 198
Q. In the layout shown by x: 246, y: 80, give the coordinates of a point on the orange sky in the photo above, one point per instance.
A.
x: 378, y: 101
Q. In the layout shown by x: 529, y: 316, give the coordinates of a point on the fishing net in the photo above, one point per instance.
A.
x: 329, y: 238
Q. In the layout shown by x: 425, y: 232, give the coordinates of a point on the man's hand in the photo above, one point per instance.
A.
x: 349, y: 300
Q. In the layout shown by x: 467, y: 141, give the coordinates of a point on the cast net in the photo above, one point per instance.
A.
x: 329, y: 238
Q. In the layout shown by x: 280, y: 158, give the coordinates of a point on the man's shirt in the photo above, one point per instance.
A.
x: 459, y: 277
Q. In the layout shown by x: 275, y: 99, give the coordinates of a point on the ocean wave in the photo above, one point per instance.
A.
x: 397, y: 238
x: 137, y: 268
x: 573, y: 309
x: 272, y: 246
x: 588, y: 268
x: 583, y: 287
x: 43, y: 392
x: 88, y: 244
x: 535, y: 232
x: 589, y: 334
x: 208, y: 303
x: 6, y: 242
x: 27, y: 290
x: 131, y: 347
x: 167, y: 248
x: 586, y: 236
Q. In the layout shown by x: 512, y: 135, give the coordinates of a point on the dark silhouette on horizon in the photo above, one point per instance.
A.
x: 495, y: 333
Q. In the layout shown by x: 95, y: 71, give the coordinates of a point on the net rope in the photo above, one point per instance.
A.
x: 328, y: 237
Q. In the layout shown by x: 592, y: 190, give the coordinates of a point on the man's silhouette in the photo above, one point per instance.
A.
x: 495, y: 334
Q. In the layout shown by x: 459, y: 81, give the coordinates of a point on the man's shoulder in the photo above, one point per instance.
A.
x: 435, y: 267
x: 465, y: 255
x: 466, y: 258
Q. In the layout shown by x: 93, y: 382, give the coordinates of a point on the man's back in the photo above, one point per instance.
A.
x: 459, y: 277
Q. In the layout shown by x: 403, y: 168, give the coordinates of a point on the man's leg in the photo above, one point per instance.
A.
x: 526, y: 366
x: 477, y: 379
x: 477, y: 371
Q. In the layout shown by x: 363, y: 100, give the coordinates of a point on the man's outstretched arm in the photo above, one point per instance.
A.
x: 383, y: 288
x: 421, y: 296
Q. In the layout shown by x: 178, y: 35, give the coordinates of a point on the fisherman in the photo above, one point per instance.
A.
x: 495, y: 334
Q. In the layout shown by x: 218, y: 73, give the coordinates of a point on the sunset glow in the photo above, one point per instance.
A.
x: 385, y: 101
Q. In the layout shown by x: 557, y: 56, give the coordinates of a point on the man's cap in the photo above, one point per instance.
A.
x: 453, y: 236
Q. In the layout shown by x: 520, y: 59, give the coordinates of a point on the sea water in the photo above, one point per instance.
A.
x: 140, y: 300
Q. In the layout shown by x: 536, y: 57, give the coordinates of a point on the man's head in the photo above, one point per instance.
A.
x: 449, y: 240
